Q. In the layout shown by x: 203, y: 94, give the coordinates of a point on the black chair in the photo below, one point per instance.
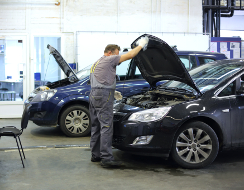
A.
x: 12, y: 131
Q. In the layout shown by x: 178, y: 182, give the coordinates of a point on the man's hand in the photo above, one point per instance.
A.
x: 117, y: 95
x: 143, y: 41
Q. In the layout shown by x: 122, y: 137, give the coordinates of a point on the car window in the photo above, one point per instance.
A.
x: 227, y: 91
x: 207, y: 76
x: 241, y: 85
x: 133, y: 72
x: 84, y: 72
x: 138, y: 74
x: 137, y: 71
x: 193, y: 62
x: 185, y: 60
x: 188, y: 61
x: 121, y: 69
x: 203, y: 60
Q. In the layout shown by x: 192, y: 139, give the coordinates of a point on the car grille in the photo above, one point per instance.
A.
x: 118, y: 139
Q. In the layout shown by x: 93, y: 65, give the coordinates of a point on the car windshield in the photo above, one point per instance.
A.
x: 206, y: 76
x: 84, y: 72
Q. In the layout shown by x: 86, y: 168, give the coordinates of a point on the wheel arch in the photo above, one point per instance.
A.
x: 213, y: 124
x: 75, y: 102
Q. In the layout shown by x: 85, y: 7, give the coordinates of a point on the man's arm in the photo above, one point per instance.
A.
x: 130, y: 54
x: 141, y: 43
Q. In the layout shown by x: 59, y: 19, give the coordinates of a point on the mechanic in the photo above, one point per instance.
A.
x: 103, y: 84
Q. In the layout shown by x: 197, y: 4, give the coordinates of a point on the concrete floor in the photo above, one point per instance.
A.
x: 54, y: 161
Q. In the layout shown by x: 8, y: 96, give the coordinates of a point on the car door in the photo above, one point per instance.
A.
x: 223, y: 112
x: 237, y: 115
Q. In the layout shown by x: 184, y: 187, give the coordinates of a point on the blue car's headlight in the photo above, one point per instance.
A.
x: 44, y: 96
x: 150, y: 114
x: 35, y: 92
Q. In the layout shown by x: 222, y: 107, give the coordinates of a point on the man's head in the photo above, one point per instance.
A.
x: 111, y: 49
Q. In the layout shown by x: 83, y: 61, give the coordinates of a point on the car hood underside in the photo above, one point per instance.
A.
x: 160, y: 62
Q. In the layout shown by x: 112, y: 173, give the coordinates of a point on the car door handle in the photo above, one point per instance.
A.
x: 226, y: 110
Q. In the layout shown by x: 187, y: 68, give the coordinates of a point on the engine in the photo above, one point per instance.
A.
x: 155, y: 98
x: 63, y: 82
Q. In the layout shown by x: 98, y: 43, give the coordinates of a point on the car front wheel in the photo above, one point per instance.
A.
x: 195, y: 145
x: 75, y: 121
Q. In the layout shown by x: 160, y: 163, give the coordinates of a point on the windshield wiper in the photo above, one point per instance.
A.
x: 178, y: 90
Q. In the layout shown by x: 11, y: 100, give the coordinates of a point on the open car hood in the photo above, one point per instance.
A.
x: 160, y: 62
x: 69, y: 72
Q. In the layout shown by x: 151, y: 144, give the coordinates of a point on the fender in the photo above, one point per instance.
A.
x: 70, y: 100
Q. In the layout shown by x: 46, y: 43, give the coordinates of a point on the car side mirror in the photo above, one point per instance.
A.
x: 117, y: 78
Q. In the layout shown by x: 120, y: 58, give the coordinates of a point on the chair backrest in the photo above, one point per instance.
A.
x: 25, y: 117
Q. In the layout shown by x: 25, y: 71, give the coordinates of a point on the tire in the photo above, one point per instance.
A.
x: 195, y: 145
x: 75, y: 121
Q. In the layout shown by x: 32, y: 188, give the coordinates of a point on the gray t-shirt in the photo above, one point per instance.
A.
x: 105, y: 70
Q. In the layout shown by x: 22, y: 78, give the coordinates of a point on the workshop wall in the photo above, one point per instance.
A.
x: 235, y: 23
x: 133, y: 15
x: 108, y: 15
x: 47, y: 18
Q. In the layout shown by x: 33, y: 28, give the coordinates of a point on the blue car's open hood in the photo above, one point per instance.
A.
x: 69, y: 72
x: 160, y: 62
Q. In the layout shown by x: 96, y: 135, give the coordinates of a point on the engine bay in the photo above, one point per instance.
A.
x: 156, y: 98
x: 63, y: 82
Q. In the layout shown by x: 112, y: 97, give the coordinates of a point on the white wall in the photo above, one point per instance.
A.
x: 30, y: 17
x: 233, y: 23
x: 100, y: 15
x: 133, y: 15
x: 88, y: 54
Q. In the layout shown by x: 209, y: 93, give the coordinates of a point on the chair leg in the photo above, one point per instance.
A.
x: 21, y: 147
x: 19, y: 151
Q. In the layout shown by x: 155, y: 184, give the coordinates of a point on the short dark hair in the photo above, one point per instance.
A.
x: 111, y: 47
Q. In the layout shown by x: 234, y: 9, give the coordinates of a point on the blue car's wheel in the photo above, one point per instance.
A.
x: 75, y: 121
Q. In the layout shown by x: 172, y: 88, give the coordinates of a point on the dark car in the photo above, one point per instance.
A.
x: 192, y: 59
x: 65, y: 102
x: 191, y: 117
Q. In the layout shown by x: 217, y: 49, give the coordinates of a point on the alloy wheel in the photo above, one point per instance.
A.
x: 193, y: 145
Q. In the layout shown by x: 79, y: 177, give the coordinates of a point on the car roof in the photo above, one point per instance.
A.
x: 199, y: 52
